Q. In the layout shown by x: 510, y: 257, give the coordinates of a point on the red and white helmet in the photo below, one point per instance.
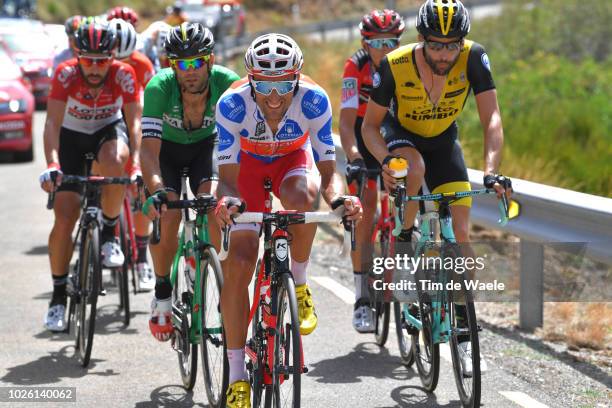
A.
x: 124, y: 13
x: 381, y: 22
x: 126, y: 38
x: 273, y: 55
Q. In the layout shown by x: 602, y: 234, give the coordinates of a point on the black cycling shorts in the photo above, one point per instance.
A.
x: 198, y: 157
x: 442, y: 155
x: 75, y: 145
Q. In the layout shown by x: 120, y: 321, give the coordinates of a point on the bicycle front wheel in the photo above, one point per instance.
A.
x: 123, y: 270
x: 404, y: 341
x: 89, y: 281
x: 182, y: 305
x: 287, y: 360
x: 215, y: 366
x: 382, y: 307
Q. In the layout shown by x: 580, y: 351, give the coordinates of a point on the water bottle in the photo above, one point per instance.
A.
x: 399, y: 166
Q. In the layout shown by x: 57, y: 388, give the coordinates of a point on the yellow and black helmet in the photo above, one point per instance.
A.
x: 443, y: 18
x: 189, y: 40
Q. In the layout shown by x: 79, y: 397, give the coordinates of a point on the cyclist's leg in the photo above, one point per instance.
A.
x: 111, y: 158
x: 297, y: 184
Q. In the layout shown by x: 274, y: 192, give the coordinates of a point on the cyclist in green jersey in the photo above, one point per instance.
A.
x: 178, y: 128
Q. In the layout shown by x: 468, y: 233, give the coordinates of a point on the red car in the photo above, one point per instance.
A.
x: 16, y: 111
x: 33, y: 52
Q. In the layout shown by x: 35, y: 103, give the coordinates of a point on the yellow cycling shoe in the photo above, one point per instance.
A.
x: 238, y: 395
x: 306, y: 311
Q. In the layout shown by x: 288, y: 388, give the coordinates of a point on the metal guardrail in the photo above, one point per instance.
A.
x: 548, y: 214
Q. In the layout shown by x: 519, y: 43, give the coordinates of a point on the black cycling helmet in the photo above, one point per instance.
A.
x: 443, y: 18
x: 189, y: 40
x: 72, y: 24
x: 96, y: 37
x: 381, y: 22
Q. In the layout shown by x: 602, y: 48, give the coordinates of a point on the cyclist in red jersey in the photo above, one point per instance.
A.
x: 380, y: 34
x: 126, y: 52
x: 84, y: 115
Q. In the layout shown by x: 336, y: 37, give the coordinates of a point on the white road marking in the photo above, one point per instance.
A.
x: 344, y: 293
x: 522, y: 399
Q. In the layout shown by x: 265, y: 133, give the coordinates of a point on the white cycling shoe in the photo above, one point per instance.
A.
x: 55, y: 319
x: 465, y: 356
x: 146, y: 278
x: 363, y: 320
x: 112, y: 257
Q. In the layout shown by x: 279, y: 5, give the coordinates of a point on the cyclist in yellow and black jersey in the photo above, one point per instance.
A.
x: 417, y: 94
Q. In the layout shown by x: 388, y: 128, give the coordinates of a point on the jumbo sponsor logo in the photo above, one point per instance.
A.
x: 126, y: 80
x: 454, y: 93
x: 428, y: 114
x: 411, y: 98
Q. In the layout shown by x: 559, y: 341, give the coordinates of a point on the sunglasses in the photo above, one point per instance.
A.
x: 281, y: 87
x: 439, y: 46
x: 379, y: 43
x: 185, y: 64
x: 91, y: 61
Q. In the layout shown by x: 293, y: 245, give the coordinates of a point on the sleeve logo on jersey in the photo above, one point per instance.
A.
x: 125, y: 80
x: 233, y: 108
x: 349, y: 88
x: 376, y: 80
x: 226, y: 140
x: 314, y: 104
x: 65, y: 74
x: 325, y: 134
x: 485, y: 61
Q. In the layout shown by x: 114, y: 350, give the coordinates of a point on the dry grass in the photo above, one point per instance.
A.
x: 580, y: 325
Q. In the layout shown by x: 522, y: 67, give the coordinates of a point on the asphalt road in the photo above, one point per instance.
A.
x: 129, y: 368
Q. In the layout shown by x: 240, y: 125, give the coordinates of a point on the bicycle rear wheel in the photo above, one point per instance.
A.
x: 89, y: 281
x: 215, y: 365
x: 123, y: 271
x: 182, y: 304
x: 426, y: 352
x: 404, y: 341
x: 287, y: 359
x: 382, y: 307
x: 468, y: 386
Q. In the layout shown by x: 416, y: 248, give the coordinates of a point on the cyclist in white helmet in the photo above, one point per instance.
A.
x: 276, y: 124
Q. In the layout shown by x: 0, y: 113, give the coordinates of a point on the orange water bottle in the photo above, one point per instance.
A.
x: 399, y: 166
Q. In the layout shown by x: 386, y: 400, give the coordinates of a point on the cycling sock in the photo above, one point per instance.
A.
x: 405, y: 235
x: 59, y: 289
x: 461, y: 316
x: 361, y: 285
x: 108, y: 228
x: 163, y: 287
x: 298, y: 269
x: 141, y: 245
x: 237, y: 368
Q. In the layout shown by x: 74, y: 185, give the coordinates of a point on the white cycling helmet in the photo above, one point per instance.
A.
x: 162, y: 34
x: 126, y: 35
x: 273, y: 55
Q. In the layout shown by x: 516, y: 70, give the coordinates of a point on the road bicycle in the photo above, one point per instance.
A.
x: 274, y: 350
x: 197, y: 281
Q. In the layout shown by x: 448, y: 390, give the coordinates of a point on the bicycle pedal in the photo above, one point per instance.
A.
x: 102, y: 292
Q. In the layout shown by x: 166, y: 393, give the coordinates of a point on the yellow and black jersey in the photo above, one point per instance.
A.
x: 397, y: 84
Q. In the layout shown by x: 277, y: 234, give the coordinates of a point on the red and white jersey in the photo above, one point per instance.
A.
x: 243, y: 129
x: 85, y: 112
x: 142, y: 66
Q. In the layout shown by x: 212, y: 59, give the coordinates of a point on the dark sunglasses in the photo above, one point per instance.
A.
x: 185, y: 64
x: 91, y: 61
x: 439, y: 46
x: 379, y: 43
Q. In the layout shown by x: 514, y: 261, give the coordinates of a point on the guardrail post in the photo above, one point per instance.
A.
x: 531, y: 308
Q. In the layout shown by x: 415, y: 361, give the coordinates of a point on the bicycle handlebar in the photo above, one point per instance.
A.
x: 203, y: 202
x: 292, y: 218
x: 72, y: 179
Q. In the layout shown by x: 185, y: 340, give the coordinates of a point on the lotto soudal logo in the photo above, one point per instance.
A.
x: 125, y: 80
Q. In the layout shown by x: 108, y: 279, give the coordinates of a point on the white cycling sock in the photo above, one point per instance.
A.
x: 298, y: 269
x: 237, y: 367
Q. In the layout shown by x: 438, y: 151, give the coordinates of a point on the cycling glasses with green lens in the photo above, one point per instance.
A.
x: 439, y: 46
x: 379, y: 43
x: 185, y: 64
x: 281, y: 87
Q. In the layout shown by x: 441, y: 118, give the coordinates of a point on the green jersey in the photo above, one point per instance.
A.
x: 162, y: 115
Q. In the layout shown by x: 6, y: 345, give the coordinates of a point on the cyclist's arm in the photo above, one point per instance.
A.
x: 228, y: 180
x: 348, y: 117
x: 490, y: 118
x: 348, y: 110
x: 332, y: 186
x: 133, y: 113
x: 53, y: 124
x: 149, y: 157
x: 370, y: 130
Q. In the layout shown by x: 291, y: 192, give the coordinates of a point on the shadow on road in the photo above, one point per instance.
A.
x: 38, y: 250
x: 170, y: 396
x: 366, y: 360
x: 52, y: 369
x: 109, y: 320
x: 410, y: 395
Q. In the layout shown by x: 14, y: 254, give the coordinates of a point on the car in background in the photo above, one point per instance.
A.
x: 16, y: 111
x: 27, y: 43
x: 57, y: 35
x: 225, y: 18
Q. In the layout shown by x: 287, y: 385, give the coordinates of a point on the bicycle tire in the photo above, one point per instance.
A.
x: 187, y: 351
x: 469, y: 388
x: 403, y: 339
x: 287, y: 359
x: 89, y: 280
x: 430, y: 354
x: 123, y: 282
x: 212, y: 339
x: 382, y: 308
x: 256, y: 377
